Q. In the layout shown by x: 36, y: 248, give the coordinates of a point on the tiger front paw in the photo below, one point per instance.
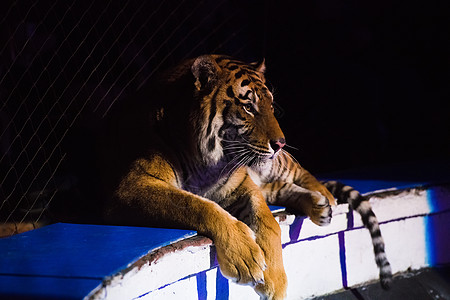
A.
x: 239, y: 256
x: 275, y: 279
x: 320, y: 212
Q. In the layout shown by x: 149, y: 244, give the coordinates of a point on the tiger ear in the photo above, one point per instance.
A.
x: 205, y: 71
x: 260, y: 66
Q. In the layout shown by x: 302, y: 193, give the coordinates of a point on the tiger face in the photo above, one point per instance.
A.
x: 241, y: 127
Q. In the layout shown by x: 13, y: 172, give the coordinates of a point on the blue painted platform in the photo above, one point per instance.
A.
x: 67, y: 261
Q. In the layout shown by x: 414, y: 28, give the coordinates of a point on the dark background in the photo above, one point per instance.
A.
x: 361, y: 82
x: 358, y: 83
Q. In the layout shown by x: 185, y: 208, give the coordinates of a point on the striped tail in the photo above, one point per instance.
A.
x: 346, y: 194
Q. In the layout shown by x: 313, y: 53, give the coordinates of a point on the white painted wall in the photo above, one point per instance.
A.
x: 312, y: 261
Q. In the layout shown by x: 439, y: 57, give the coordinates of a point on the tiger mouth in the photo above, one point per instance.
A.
x: 259, y: 150
x: 260, y: 155
x: 263, y: 153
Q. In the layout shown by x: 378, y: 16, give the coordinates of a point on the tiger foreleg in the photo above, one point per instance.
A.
x: 300, y: 200
x: 306, y: 180
x: 251, y: 207
x: 148, y: 196
x: 268, y: 237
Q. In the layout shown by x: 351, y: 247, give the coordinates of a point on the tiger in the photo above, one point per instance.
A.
x: 213, y: 161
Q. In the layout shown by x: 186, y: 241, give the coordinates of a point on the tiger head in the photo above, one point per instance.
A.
x: 236, y: 120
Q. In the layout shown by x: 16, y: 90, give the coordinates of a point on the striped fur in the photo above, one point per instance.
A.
x: 215, y: 160
x: 285, y: 182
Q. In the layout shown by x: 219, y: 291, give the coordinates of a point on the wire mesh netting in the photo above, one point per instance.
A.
x: 361, y: 83
x: 68, y: 62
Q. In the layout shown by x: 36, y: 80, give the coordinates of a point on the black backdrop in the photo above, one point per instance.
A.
x: 361, y: 82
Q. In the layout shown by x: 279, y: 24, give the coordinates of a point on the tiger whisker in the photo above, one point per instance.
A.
x: 290, y: 156
x: 245, y: 158
x: 242, y: 162
x: 237, y: 152
x: 233, y: 147
x: 292, y: 147
x: 237, y: 158
x: 284, y: 162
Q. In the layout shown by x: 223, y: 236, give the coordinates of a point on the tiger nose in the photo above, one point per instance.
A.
x: 278, y: 144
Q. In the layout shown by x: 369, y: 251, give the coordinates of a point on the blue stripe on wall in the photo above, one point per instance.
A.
x: 342, y: 258
x: 222, y: 287
x: 201, y: 286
